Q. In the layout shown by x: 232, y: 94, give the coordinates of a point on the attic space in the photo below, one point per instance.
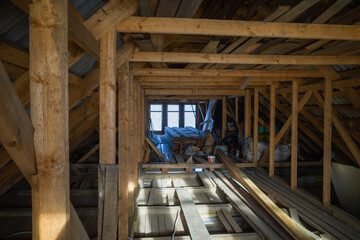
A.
x: 179, y: 119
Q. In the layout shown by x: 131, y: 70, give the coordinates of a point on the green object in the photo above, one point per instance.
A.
x: 263, y: 129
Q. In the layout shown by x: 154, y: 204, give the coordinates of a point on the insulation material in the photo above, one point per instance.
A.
x: 346, y: 181
x: 282, y: 151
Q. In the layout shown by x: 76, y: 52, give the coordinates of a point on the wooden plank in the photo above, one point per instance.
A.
x: 14, y: 55
x: 231, y: 220
x: 153, y: 147
x: 49, y: 115
x: 162, y: 72
x: 256, y: 124
x: 238, y: 28
x: 232, y: 236
x: 331, y: 11
x: 247, y: 213
x: 272, y: 131
x: 289, y: 225
x: 224, y: 221
x: 223, y: 118
x: 196, y: 226
x: 173, y: 57
x: 205, y: 180
x: 107, y: 100
x: 294, y: 133
x: 247, y: 113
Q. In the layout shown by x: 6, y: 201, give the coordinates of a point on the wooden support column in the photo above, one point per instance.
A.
x: 237, y: 109
x: 256, y: 124
x: 107, y: 98
x: 124, y: 102
x: 272, y: 131
x: 108, y: 171
x: 223, y: 120
x: 327, y: 141
x: 247, y: 114
x: 130, y: 139
x: 49, y: 115
x: 294, y: 133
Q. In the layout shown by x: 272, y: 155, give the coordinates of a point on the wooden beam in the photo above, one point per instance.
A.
x: 283, y: 219
x: 174, y: 57
x: 165, y: 72
x: 80, y: 35
x: 294, y: 133
x: 194, y: 91
x: 238, y: 28
x: 109, y: 16
x: 223, y: 119
x: 256, y: 124
x: 272, y: 131
x: 17, y: 131
x: 327, y: 141
x: 123, y: 115
x: 14, y: 55
x: 49, y: 115
x: 108, y: 98
x: 247, y: 114
x: 196, y: 226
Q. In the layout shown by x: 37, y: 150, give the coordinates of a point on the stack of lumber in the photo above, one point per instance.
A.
x: 178, y: 138
x: 316, y: 217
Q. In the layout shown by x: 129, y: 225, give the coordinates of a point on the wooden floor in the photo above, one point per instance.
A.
x: 211, y: 205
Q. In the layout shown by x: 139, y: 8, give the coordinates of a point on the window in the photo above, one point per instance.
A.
x: 173, y: 115
x: 190, y: 115
x: 156, y: 116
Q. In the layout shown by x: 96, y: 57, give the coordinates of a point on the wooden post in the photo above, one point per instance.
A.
x: 294, y: 133
x: 49, y: 115
x: 124, y: 102
x: 237, y: 109
x: 223, y: 122
x: 130, y: 140
x: 247, y: 114
x: 327, y: 141
x: 107, y: 217
x: 272, y: 131
x: 256, y: 124
x: 107, y: 98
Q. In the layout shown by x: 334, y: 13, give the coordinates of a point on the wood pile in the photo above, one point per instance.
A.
x: 179, y: 138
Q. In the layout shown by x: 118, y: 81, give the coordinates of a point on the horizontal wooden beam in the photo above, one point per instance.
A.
x: 174, y: 57
x: 182, y: 98
x: 220, y: 165
x: 194, y: 91
x: 239, y: 28
x: 165, y: 72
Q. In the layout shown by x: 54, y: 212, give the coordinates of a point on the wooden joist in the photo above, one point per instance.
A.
x: 289, y: 225
x: 174, y: 57
x: 165, y: 72
x: 238, y: 28
x: 194, y: 91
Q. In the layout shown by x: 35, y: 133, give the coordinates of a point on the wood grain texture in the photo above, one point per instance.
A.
x: 49, y: 115
x: 107, y: 98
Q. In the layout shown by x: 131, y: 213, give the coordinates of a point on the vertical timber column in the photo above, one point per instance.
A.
x: 108, y: 170
x: 272, y: 131
x: 294, y: 132
x: 49, y: 115
x: 256, y: 124
x: 247, y: 114
x: 124, y: 102
x: 108, y: 98
x: 223, y: 121
x: 131, y: 138
x: 327, y: 141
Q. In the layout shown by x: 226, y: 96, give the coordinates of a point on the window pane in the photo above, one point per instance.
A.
x: 173, y: 107
x: 190, y: 107
x: 190, y: 119
x: 156, y: 120
x: 173, y: 119
x: 155, y: 107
